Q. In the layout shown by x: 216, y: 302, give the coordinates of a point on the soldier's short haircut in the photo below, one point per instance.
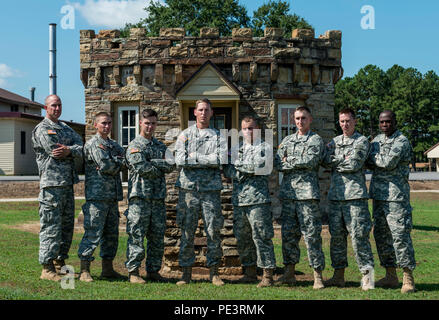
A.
x: 247, y: 117
x: 146, y: 113
x: 303, y: 108
x: 204, y: 100
x: 102, y: 114
x: 347, y: 111
x: 46, y: 101
x: 392, y: 114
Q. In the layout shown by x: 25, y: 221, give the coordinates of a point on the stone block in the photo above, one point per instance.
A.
x: 178, y: 51
x: 332, y: 34
x: 242, y: 33
x: 334, y: 54
x: 86, y: 34
x: 137, y: 32
x: 209, y: 32
x: 286, y: 52
x: 160, y: 43
x: 236, y: 52
x: 274, y: 32
x: 129, y: 54
x: 210, y: 51
x: 172, y: 32
x: 303, y: 33
x: 108, y: 34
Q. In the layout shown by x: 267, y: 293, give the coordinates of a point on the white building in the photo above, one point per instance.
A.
x: 18, y: 117
x: 433, y: 153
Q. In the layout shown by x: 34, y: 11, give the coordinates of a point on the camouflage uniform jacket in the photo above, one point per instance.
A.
x: 103, y: 161
x: 56, y: 172
x: 147, y: 168
x: 301, y: 167
x: 250, y: 181
x: 390, y: 158
x: 199, y: 153
x: 346, y: 157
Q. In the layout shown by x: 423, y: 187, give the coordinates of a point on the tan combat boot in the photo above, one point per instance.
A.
x: 134, y: 277
x: 85, y: 271
x: 58, y: 266
x: 250, y: 275
x: 187, y: 276
x: 318, y: 280
x: 288, y: 277
x: 408, y: 282
x: 154, y: 276
x: 366, y: 281
x: 108, y: 271
x: 49, y: 272
x: 267, y: 279
x: 390, y: 280
x: 214, y: 277
x: 337, y: 279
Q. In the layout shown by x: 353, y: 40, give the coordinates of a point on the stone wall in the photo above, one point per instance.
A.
x: 148, y: 71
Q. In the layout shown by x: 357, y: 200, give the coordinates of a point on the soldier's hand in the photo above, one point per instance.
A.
x: 61, y: 152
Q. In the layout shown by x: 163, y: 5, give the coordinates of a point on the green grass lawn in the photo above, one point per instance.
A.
x: 20, y: 271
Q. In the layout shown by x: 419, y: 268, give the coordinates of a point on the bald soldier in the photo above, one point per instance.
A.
x: 56, y: 145
x: 389, y: 159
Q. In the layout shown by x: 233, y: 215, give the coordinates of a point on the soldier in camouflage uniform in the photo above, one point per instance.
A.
x: 146, y: 214
x: 56, y: 145
x: 199, y: 153
x: 298, y: 158
x: 389, y: 158
x: 348, y: 207
x: 252, y: 219
x: 104, y: 158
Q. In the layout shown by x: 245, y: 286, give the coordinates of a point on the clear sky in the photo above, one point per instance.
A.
x: 406, y: 33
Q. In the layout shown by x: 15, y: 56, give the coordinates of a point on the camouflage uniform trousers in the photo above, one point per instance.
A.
x: 302, y: 217
x: 253, y: 229
x: 101, y: 226
x: 350, y: 217
x: 392, y: 223
x: 190, y: 203
x: 57, y: 219
x: 145, y: 218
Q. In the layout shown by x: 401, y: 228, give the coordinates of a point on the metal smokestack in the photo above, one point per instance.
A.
x: 32, y: 94
x: 52, y: 58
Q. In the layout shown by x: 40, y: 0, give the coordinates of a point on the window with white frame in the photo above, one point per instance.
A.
x: 286, y: 124
x: 128, y: 125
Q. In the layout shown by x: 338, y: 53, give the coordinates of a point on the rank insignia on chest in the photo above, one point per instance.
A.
x: 102, y: 147
x: 51, y: 131
x: 134, y: 150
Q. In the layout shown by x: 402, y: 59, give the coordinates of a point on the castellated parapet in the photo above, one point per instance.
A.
x: 268, y: 76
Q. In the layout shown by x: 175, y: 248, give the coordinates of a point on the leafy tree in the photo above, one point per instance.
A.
x: 193, y: 15
x: 224, y: 15
x: 275, y: 14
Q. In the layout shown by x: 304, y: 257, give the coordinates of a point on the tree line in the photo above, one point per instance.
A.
x: 413, y: 96
x: 224, y: 15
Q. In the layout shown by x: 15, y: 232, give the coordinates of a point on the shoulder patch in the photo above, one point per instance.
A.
x: 51, y: 131
x: 134, y: 150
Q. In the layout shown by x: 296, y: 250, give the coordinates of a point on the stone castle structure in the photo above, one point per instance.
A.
x: 269, y: 76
